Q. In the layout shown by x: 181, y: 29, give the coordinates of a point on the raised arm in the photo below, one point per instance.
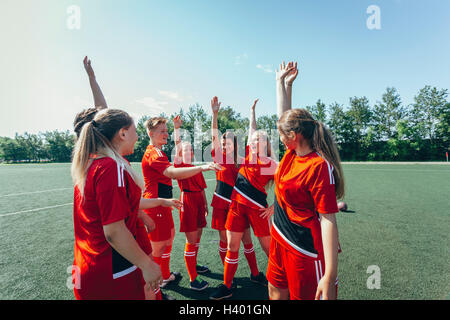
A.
x: 252, y: 126
x: 215, y: 106
x: 99, y: 99
x: 177, y: 122
x: 284, y: 79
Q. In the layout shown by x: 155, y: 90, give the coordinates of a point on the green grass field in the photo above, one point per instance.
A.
x: 400, y: 223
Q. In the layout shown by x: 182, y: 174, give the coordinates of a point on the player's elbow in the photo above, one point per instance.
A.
x: 111, y: 231
x: 170, y: 172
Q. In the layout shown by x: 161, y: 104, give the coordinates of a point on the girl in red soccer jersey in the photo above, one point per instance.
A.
x: 107, y: 199
x: 226, y: 154
x: 304, y: 246
x: 144, y: 222
x: 194, y: 210
x: 249, y: 203
x: 158, y: 174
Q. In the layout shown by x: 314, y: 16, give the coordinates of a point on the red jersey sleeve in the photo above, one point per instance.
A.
x: 322, y: 188
x: 111, y: 194
x: 159, y: 164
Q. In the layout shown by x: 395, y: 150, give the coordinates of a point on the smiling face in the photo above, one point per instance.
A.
x: 289, y: 140
x: 159, y: 135
x: 129, y: 137
x: 187, y: 153
x: 228, y: 145
x: 258, y: 143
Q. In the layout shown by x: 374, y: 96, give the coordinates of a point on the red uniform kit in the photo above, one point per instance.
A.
x: 157, y: 185
x: 249, y: 195
x: 192, y: 213
x: 110, y: 195
x: 304, y: 187
x: 222, y: 195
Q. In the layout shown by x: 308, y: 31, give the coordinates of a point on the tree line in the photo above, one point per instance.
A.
x: 385, y: 131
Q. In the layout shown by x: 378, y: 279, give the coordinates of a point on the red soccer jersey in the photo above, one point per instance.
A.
x: 154, y: 163
x: 253, y: 176
x: 225, y: 180
x: 304, y: 187
x: 110, y: 195
x: 193, y: 184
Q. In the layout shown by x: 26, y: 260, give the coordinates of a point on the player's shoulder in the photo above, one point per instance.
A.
x: 154, y: 153
x: 106, y: 167
x: 318, y: 160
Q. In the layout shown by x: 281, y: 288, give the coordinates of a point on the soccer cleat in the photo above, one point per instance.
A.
x: 199, y: 284
x: 166, y: 297
x: 222, y: 292
x: 202, y: 269
x: 260, y: 278
x: 175, y: 277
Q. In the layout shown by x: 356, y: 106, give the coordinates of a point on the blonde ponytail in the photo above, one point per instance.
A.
x: 95, y: 140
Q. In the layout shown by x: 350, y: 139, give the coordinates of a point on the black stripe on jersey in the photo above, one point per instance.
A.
x: 250, y: 191
x: 119, y: 263
x: 224, y: 190
x: 296, y: 234
x: 164, y: 191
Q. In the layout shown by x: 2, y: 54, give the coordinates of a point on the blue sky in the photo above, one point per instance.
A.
x: 159, y: 55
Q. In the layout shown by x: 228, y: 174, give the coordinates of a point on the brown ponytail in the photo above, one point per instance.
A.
x: 319, y: 138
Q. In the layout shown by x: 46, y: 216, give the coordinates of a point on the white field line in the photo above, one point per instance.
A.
x: 44, y: 208
x: 34, y: 210
x: 32, y: 192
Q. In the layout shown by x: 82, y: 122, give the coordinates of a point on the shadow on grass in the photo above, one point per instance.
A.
x: 244, y: 289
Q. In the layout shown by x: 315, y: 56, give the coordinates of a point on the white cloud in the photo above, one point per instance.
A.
x: 241, y: 59
x: 266, y: 68
x: 153, y: 104
x: 171, y: 95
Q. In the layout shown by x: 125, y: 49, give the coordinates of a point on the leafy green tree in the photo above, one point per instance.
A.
x: 386, y: 113
x: 59, y: 145
x: 318, y: 111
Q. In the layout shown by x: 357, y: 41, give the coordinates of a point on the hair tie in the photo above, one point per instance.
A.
x: 94, y: 123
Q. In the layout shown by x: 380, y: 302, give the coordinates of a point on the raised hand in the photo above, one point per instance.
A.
x: 283, y: 72
x: 292, y: 75
x: 88, y: 67
x: 215, y: 105
x: 254, y: 104
x: 177, y: 122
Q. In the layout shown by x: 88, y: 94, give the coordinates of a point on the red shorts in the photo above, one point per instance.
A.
x: 299, y: 274
x: 241, y: 217
x: 219, y: 218
x: 128, y: 287
x: 162, y: 216
x: 192, y: 213
x: 142, y: 237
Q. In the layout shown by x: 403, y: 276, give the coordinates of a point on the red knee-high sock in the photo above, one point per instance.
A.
x: 222, y: 251
x: 249, y: 253
x: 230, y: 267
x: 190, y: 257
x: 165, y: 261
x: 197, y: 245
